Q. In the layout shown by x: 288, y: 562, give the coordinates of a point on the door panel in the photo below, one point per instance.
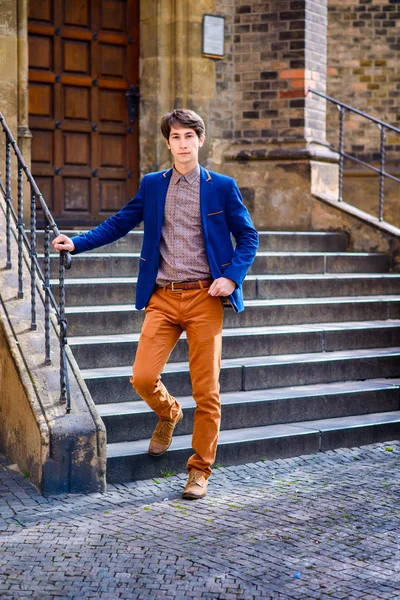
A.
x: 77, y: 193
x: 46, y: 187
x: 41, y: 52
x: 113, y: 15
x: 83, y: 59
x: 77, y: 13
x: 77, y: 148
x: 41, y: 10
x: 113, y: 61
x: 110, y: 191
x: 76, y: 56
x: 42, y: 147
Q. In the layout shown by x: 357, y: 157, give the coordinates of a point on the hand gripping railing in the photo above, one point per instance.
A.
x: 35, y: 269
x: 342, y: 154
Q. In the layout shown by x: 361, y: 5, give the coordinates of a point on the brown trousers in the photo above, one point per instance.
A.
x: 168, y: 313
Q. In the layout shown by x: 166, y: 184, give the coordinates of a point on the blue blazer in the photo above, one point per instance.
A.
x: 222, y: 214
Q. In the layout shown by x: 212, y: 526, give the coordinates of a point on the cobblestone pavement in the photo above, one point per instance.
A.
x: 324, y: 526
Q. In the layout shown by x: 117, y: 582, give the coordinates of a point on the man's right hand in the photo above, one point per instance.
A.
x: 63, y: 242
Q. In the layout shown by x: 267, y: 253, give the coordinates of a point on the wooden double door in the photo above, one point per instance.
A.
x: 83, y: 99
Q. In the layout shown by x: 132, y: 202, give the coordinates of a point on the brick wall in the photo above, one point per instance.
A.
x: 274, y: 51
x: 364, y: 71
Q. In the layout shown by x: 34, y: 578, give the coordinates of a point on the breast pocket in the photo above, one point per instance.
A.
x: 215, y: 213
x: 142, y: 262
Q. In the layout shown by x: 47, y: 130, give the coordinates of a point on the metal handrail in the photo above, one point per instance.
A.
x: 342, y: 107
x: 35, y: 268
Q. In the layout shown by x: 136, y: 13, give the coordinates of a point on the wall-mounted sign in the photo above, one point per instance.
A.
x: 213, y: 36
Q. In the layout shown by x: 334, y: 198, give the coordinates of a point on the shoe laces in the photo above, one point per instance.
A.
x: 195, y: 477
x: 164, y: 429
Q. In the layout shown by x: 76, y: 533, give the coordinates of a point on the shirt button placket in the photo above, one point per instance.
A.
x: 176, y: 219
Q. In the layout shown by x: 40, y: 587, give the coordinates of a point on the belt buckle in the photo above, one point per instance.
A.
x: 172, y: 286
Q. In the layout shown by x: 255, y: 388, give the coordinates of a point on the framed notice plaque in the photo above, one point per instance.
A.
x: 213, y: 36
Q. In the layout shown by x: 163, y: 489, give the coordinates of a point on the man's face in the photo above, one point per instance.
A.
x: 184, y: 144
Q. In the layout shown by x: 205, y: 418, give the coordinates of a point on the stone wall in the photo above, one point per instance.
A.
x: 253, y: 101
x: 24, y: 436
x: 9, y: 63
x: 173, y: 72
x: 364, y: 71
x: 274, y: 51
x: 8, y: 75
x: 264, y: 127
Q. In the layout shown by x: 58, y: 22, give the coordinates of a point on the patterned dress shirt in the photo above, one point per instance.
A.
x: 183, y: 256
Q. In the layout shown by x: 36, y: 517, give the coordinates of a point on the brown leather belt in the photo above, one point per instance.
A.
x: 178, y: 286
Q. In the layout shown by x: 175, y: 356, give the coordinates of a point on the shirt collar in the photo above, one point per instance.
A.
x: 191, y: 177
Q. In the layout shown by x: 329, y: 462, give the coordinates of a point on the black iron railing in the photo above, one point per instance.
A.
x: 383, y: 127
x: 36, y: 199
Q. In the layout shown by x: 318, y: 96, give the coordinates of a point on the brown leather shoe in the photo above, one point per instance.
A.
x: 162, y: 436
x: 196, y: 486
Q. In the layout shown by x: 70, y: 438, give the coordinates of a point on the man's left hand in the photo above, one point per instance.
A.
x: 222, y: 287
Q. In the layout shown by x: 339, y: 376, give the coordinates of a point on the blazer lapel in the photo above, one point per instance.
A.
x: 162, y: 188
x: 206, y: 187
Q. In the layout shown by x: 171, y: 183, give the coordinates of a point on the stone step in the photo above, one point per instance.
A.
x: 131, y: 421
x: 318, y: 262
x: 129, y: 461
x: 317, y: 286
x: 132, y: 242
x: 283, y: 241
x: 312, y: 364
x: 113, y: 351
x: 109, y: 320
x: 255, y: 373
x: 303, y: 241
x: 94, y: 291
x: 124, y: 264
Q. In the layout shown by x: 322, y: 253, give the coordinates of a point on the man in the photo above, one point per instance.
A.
x: 188, y: 271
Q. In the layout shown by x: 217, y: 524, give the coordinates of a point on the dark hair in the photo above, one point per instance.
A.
x: 182, y: 117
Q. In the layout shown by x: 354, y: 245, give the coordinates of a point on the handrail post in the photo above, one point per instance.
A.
x: 382, y: 172
x: 33, y: 258
x: 47, y: 292
x: 20, y: 232
x: 341, y: 149
x: 8, y: 202
x: 65, y: 396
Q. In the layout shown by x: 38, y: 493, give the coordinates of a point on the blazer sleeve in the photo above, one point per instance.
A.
x: 129, y: 217
x: 244, y: 232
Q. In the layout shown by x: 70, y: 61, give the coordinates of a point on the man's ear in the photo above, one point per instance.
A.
x: 168, y: 146
x: 202, y: 141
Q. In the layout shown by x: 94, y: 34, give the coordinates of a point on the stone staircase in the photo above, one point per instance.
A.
x: 312, y: 364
